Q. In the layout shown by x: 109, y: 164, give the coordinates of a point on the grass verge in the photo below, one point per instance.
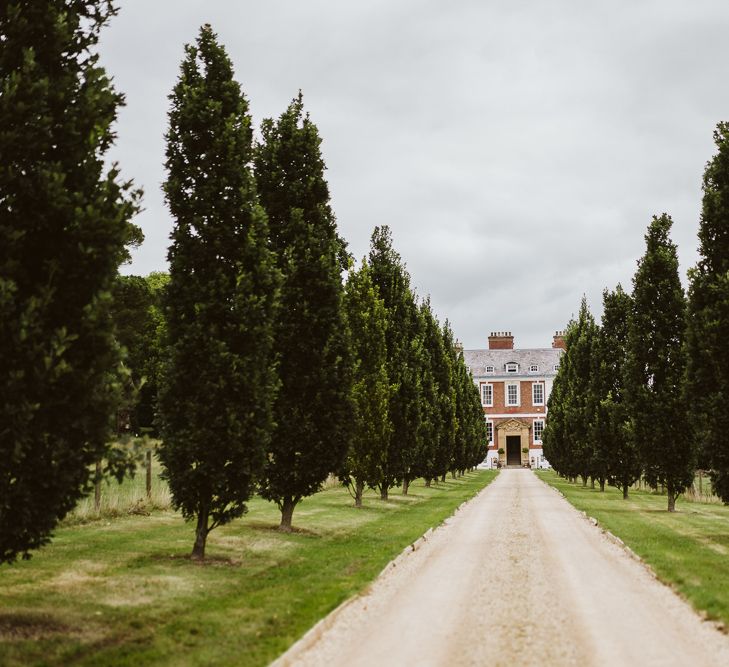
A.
x: 687, y: 549
x: 124, y: 591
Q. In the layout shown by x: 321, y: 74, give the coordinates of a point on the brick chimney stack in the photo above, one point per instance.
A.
x: 558, y: 340
x: 501, y: 340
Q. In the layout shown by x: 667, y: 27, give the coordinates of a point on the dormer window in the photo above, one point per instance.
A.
x: 489, y: 369
x: 556, y: 367
x: 512, y: 367
x: 534, y: 368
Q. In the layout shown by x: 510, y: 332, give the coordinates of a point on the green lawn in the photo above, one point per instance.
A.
x: 122, y: 591
x: 688, y: 549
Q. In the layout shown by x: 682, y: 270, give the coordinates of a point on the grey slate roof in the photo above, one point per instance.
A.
x: 546, y: 359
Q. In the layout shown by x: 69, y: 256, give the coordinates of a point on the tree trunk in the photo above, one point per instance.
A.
x: 383, y: 492
x: 405, y: 486
x: 427, y: 483
x: 453, y: 474
x: 97, y: 487
x: 592, y: 482
x: 442, y: 479
x: 625, y: 491
x: 201, y: 535
x: 671, y: 500
x: 287, y: 513
x: 602, y: 485
x: 358, y: 489
x: 584, y: 481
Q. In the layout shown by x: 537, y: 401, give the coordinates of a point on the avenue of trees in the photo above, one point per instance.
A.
x: 642, y: 394
x: 260, y: 368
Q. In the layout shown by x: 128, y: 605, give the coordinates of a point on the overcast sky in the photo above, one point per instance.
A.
x: 517, y: 149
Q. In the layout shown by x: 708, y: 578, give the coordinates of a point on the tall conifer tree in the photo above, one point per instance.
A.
x: 313, y: 408
x: 64, y: 221
x: 219, y: 380
x: 367, y: 322
x: 708, y: 321
x: 393, y: 284
x: 579, y: 398
x: 656, y: 366
x: 614, y: 448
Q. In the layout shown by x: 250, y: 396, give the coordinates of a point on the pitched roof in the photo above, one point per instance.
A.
x: 546, y: 359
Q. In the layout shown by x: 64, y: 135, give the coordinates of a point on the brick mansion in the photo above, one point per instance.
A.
x: 514, y: 385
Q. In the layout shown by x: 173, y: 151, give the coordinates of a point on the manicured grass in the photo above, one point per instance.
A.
x: 688, y: 549
x: 123, y: 591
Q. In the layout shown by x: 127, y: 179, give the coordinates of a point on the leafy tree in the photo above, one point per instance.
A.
x: 64, y: 221
x: 313, y: 409
x: 656, y: 365
x: 554, y: 436
x: 219, y: 380
x: 422, y: 458
x: 470, y: 446
x: 133, y: 327
x: 568, y: 430
x: 615, y: 450
x: 579, y: 398
x: 708, y: 321
x: 393, y: 284
x: 367, y: 322
x: 139, y: 327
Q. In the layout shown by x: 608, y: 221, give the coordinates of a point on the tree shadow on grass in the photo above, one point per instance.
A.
x: 32, y: 625
x: 274, y: 528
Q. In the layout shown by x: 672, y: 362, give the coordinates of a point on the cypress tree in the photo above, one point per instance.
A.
x: 367, y: 322
x: 615, y: 448
x: 64, y: 221
x: 424, y: 459
x: 393, y: 284
x: 656, y: 366
x: 554, y: 437
x: 708, y: 321
x: 578, y: 398
x: 313, y: 409
x: 218, y: 381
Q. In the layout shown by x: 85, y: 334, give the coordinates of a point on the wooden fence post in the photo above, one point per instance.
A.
x: 149, y: 473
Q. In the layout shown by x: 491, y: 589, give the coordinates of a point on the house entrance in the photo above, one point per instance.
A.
x: 513, y: 450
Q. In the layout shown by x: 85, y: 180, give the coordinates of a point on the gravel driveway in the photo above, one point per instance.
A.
x: 517, y: 577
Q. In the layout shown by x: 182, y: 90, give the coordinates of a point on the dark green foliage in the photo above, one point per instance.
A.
x: 469, y: 438
x: 367, y: 324
x: 313, y: 410
x: 567, y: 440
x: 219, y: 380
x: 64, y: 220
x: 425, y: 458
x: 656, y: 365
x: 708, y: 321
x: 554, y: 437
x: 393, y: 285
x: 615, y: 451
x: 139, y: 325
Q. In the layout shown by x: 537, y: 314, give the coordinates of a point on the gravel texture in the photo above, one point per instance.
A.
x: 517, y: 577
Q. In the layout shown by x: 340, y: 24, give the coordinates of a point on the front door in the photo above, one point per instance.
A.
x: 513, y: 450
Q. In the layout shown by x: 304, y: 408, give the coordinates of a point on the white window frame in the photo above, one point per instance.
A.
x: 517, y: 385
x: 489, y: 369
x: 490, y: 403
x: 534, y: 386
x: 556, y: 367
x: 534, y: 430
x: 489, y: 436
x: 534, y: 368
x: 512, y: 367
